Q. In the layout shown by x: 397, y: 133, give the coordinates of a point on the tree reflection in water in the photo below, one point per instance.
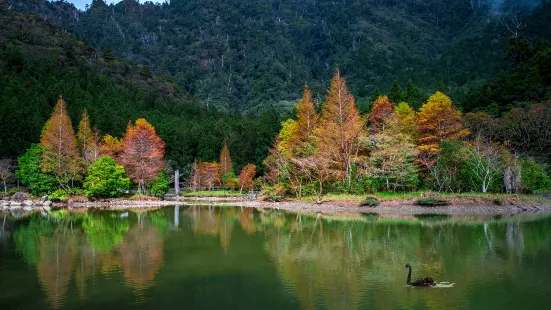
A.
x: 328, y: 261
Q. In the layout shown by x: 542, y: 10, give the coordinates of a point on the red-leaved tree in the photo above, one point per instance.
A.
x: 143, y: 153
x: 246, y: 176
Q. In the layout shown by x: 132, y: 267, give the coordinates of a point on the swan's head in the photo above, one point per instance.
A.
x: 408, y: 266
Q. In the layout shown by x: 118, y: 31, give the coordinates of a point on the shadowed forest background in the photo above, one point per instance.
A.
x: 209, y: 73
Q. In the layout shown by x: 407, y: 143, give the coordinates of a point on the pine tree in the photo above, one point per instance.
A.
x: 395, y: 94
x: 60, y: 150
x: 375, y: 94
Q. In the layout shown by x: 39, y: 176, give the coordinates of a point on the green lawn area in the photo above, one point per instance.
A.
x: 385, y: 196
x: 218, y: 193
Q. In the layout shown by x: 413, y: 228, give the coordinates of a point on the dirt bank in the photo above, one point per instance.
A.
x: 399, y: 207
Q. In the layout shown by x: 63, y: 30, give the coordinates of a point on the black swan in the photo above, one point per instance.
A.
x: 420, y: 282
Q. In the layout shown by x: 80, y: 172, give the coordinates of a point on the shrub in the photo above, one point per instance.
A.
x: 273, y: 193
x: 59, y: 195
x: 370, y: 201
x: 431, y: 202
x: 534, y: 178
x: 64, y: 195
x: 105, y: 179
x: 161, y: 185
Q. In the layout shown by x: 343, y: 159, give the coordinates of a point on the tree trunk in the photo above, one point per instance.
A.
x: 177, y: 182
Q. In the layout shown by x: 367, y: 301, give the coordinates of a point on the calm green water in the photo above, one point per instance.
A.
x: 233, y: 258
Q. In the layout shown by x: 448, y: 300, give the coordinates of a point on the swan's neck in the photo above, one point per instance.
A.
x: 408, y: 282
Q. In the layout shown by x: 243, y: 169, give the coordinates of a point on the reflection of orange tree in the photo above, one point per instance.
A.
x: 342, y: 261
x: 246, y: 217
x: 55, y: 264
x: 141, y: 256
x: 337, y: 262
x: 317, y: 263
x: 213, y: 221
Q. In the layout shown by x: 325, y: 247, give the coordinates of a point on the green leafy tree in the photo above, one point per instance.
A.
x: 534, y: 178
x: 105, y: 179
x: 30, y: 173
x: 161, y: 185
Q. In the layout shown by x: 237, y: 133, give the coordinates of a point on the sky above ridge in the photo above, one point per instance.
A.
x: 81, y: 4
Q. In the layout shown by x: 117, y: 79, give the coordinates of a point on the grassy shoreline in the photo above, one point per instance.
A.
x: 217, y: 193
x: 474, y: 198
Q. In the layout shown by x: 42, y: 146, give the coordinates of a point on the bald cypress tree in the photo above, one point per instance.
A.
x: 60, y: 150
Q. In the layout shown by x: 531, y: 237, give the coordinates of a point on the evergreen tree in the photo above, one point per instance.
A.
x: 395, y: 94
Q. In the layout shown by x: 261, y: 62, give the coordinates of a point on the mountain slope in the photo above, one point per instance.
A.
x: 38, y: 62
x: 241, y: 55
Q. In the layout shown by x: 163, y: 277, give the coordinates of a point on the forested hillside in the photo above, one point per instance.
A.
x: 242, y: 55
x: 38, y: 63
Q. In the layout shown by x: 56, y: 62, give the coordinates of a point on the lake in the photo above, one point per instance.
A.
x: 198, y: 257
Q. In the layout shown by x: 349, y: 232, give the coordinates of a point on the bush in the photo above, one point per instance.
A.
x: 370, y: 201
x: 431, y: 202
x: 161, y: 185
x: 59, y: 195
x: 64, y: 195
x: 534, y: 178
x: 105, y: 179
x: 273, y: 193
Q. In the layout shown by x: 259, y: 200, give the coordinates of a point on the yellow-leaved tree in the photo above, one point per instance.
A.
x: 438, y: 120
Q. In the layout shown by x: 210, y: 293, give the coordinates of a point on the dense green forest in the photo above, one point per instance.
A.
x: 499, y: 117
x: 244, y: 55
x: 38, y: 63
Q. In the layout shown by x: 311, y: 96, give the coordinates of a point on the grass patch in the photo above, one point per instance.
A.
x: 143, y: 198
x: 432, y: 202
x: 370, y: 201
x: 220, y: 193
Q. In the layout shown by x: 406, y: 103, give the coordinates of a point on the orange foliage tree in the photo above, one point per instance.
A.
x: 381, y: 112
x: 209, y: 174
x: 307, y: 120
x: 225, y: 161
x: 143, y: 153
x: 437, y: 121
x: 60, y: 150
x: 340, y: 128
x: 195, y: 175
x: 87, y: 139
x: 246, y: 176
x: 111, y: 146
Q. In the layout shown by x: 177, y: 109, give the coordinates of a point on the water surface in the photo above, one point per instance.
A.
x: 241, y: 258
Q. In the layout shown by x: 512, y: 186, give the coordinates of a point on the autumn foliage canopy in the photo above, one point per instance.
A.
x: 143, y: 152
